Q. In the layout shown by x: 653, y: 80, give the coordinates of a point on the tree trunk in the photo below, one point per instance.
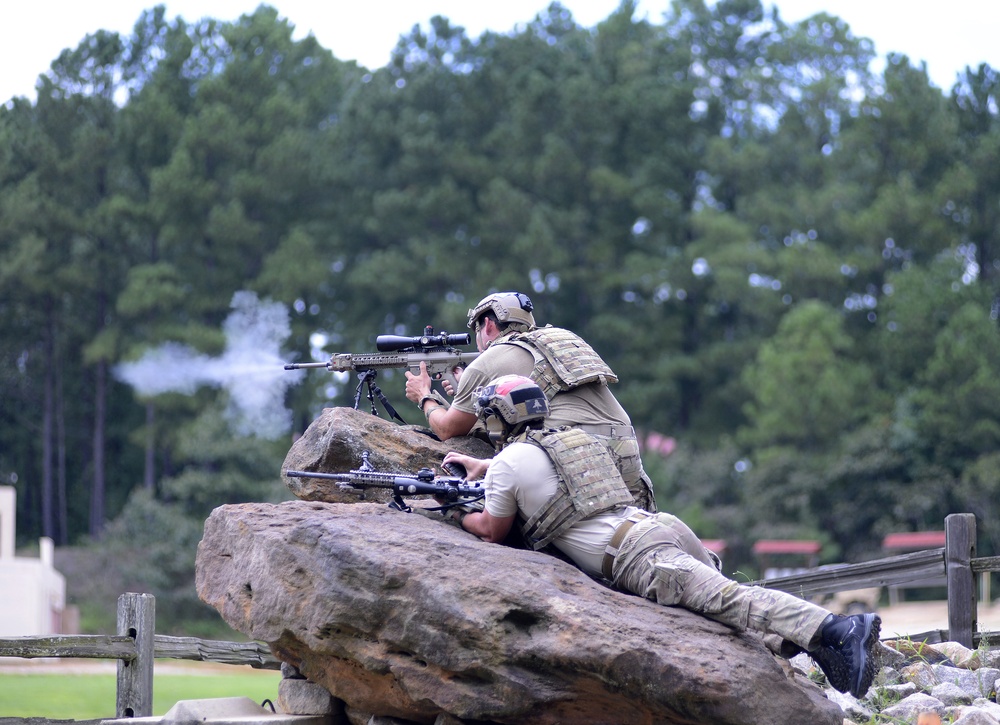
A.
x: 149, y: 469
x: 48, y: 403
x: 61, y: 504
x: 97, y: 494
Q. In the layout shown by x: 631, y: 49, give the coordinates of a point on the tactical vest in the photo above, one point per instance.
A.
x: 589, y: 483
x: 563, y: 360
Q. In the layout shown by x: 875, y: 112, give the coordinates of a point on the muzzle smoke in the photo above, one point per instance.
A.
x: 251, y: 369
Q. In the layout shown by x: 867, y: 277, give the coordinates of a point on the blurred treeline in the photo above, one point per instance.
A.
x: 790, y: 261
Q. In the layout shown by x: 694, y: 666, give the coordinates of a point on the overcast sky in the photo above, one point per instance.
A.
x: 948, y: 36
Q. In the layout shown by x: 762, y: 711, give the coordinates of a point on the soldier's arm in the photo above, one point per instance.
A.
x: 446, y: 422
x: 488, y: 527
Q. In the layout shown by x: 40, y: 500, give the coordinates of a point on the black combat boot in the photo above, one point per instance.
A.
x: 846, y: 651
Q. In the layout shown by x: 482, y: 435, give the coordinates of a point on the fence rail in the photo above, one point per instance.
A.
x: 136, y: 645
x: 956, y: 564
x: 889, y: 571
x: 99, y: 646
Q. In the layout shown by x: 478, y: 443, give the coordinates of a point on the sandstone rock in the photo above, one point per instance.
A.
x: 333, y: 444
x: 951, y: 694
x: 960, y: 655
x: 917, y: 652
x: 920, y: 703
x: 974, y: 717
x: 403, y: 616
x: 988, y: 706
x: 301, y: 697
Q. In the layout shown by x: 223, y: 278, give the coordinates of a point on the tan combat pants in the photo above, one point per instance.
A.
x: 661, y: 559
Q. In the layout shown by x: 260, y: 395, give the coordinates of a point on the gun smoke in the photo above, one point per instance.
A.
x: 250, y: 368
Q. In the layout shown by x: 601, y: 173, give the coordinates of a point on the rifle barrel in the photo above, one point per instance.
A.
x: 318, y: 474
x: 301, y: 366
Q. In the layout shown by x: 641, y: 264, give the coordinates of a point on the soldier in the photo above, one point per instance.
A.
x: 573, y: 377
x: 562, y: 488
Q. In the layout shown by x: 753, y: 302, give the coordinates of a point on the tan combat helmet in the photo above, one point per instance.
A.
x: 509, y: 403
x: 509, y: 307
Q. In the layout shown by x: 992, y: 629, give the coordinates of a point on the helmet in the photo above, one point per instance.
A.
x: 511, y: 307
x: 514, y: 399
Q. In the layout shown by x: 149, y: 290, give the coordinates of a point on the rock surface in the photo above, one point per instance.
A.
x: 333, y: 443
x: 921, y: 682
x: 405, y: 616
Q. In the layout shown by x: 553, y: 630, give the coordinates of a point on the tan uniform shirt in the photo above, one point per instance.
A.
x: 591, y: 404
x: 521, y: 479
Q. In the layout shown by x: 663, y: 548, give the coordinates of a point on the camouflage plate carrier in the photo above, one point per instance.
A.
x: 589, y: 483
x: 563, y: 360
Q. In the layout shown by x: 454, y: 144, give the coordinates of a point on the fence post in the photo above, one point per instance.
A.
x: 960, y: 549
x: 136, y: 619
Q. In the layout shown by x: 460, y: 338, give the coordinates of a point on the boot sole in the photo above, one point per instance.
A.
x: 866, y: 672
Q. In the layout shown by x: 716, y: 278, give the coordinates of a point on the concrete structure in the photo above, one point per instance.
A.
x: 230, y: 711
x: 32, y: 592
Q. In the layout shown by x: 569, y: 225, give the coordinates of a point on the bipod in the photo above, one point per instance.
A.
x: 367, y: 377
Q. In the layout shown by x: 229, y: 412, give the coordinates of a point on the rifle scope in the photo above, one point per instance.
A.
x: 427, y: 341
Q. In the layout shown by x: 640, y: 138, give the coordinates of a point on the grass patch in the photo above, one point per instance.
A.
x: 59, y: 695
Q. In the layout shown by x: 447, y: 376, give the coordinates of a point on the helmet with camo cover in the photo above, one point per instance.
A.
x: 509, y: 308
x: 513, y: 400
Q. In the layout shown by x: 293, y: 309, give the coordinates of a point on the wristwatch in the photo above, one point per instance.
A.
x: 433, y: 395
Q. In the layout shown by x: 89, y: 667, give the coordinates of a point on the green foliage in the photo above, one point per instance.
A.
x: 220, y: 468
x: 806, y: 384
x: 151, y: 544
x: 790, y: 262
x: 979, y: 490
x: 959, y: 393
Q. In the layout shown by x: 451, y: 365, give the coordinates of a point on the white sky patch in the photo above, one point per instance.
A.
x: 948, y: 37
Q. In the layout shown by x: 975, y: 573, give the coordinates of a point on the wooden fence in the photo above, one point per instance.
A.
x: 956, y: 564
x: 136, y: 644
x: 135, y: 647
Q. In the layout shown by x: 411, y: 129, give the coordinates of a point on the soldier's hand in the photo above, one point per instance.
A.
x: 417, y: 386
x: 475, y: 468
x: 446, y: 383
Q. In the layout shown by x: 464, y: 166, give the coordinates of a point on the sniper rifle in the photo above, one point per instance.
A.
x: 453, y: 489
x: 437, y: 351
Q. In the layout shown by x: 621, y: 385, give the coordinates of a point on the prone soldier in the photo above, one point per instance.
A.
x: 560, y: 487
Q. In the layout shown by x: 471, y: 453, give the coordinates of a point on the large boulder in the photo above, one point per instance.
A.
x: 334, y: 442
x: 404, y: 615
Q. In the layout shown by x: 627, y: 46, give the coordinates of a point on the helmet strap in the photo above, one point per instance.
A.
x: 515, y: 431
